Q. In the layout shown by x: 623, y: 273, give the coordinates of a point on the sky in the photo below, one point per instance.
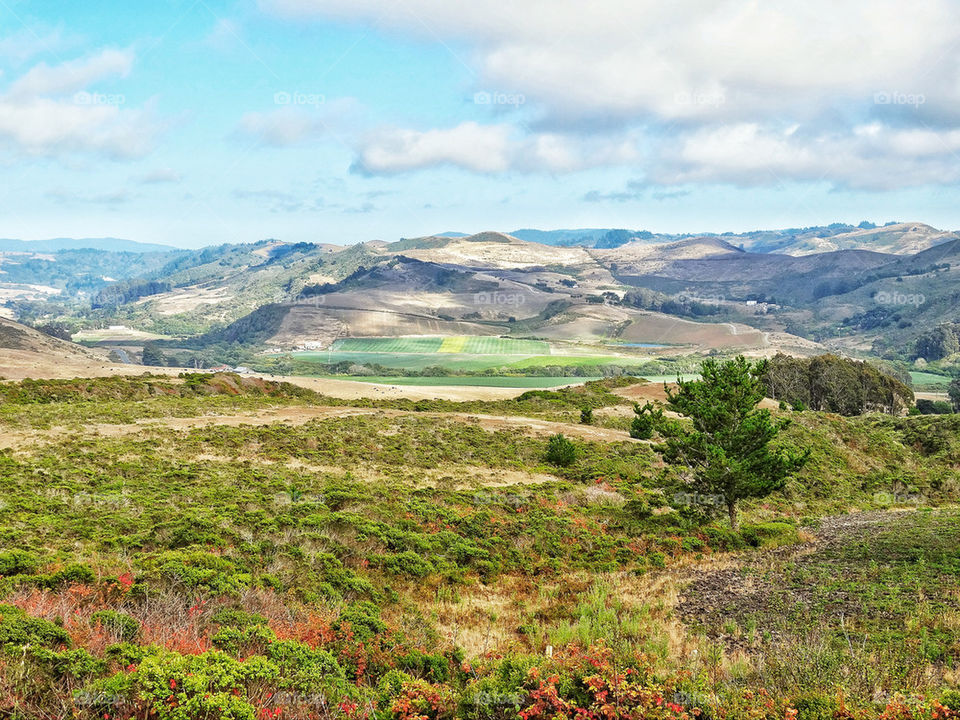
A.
x: 198, y: 122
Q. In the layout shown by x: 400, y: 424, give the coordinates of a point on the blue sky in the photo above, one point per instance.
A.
x: 192, y: 122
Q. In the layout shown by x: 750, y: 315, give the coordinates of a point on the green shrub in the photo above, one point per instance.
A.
x: 363, y: 619
x: 770, y: 533
x: 305, y: 669
x: 75, y: 664
x: 75, y: 573
x: 645, y: 423
x: 122, y: 625
x: 18, y: 629
x: 234, y: 617
x: 951, y: 699
x: 407, y: 563
x: 814, y: 707
x: 250, y: 639
x: 181, y: 687
x: 18, y: 562
x: 199, y: 570
x: 560, y: 451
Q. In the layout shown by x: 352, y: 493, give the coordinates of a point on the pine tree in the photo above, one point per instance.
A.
x: 728, y: 449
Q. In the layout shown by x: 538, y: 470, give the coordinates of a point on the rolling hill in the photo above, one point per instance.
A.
x: 894, y: 237
x: 25, y: 352
x: 791, y: 290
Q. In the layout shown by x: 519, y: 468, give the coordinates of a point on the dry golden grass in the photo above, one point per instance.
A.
x: 530, y: 614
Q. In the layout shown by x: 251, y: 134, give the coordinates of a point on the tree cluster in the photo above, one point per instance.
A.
x: 834, y: 384
x: 938, y: 343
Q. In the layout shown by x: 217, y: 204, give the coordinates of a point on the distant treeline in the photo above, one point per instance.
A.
x: 834, y: 384
x: 841, y: 286
x: 680, y: 305
x: 375, y: 369
x: 250, y: 330
x: 127, y: 292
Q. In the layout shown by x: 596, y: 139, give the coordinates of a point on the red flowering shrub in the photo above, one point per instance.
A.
x: 419, y: 700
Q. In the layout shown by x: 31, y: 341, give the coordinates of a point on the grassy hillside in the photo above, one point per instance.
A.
x: 253, y: 547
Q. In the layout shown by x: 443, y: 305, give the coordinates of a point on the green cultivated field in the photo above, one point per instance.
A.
x: 921, y: 379
x: 410, y: 361
x: 464, y: 353
x: 572, y: 360
x: 507, y: 382
x: 471, y: 345
x: 388, y: 345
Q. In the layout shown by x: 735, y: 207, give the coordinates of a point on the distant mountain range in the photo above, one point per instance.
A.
x: 897, y: 238
x: 58, y: 244
x: 859, y: 289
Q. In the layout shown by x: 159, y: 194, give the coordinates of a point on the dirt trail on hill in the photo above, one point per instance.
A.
x: 301, y: 415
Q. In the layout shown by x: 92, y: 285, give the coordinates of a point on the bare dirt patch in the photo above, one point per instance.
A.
x: 740, y: 589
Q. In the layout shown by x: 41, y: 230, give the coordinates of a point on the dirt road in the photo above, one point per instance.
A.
x: 300, y: 415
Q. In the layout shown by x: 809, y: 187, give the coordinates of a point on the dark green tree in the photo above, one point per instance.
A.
x: 153, y: 356
x: 728, y: 448
x: 646, y: 421
x: 58, y: 330
x: 560, y: 451
x: 938, y: 343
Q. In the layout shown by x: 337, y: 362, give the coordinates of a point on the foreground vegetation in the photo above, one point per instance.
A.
x: 397, y: 559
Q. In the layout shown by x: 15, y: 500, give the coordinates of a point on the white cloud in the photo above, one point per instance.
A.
x: 20, y: 46
x: 224, y: 34
x: 276, y: 200
x: 160, y: 176
x: 300, y: 117
x: 48, y: 111
x: 869, y: 157
x: 864, y: 93
x: 69, y: 77
x: 469, y: 145
x: 44, y: 127
x: 487, y: 149
x: 684, y: 59
x: 115, y: 197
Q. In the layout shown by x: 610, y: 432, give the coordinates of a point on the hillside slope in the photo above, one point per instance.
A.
x: 28, y: 353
